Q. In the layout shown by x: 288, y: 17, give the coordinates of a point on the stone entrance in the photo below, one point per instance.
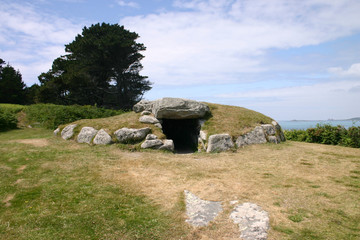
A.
x: 184, y: 133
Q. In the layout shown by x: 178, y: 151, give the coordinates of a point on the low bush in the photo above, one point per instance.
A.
x: 51, y: 116
x: 8, y: 119
x: 327, y: 134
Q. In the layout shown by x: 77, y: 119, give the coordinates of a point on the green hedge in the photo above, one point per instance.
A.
x: 327, y: 134
x: 51, y: 115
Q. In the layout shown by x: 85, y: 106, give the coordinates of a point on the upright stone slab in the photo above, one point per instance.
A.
x: 168, y: 145
x: 219, y: 143
x: 200, y: 212
x: 257, y: 136
x: 124, y: 135
x: 86, y: 135
x: 102, y: 138
x: 178, y: 108
x: 252, y: 220
x: 68, y: 131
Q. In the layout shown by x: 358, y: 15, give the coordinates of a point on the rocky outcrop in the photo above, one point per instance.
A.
x: 252, y: 220
x: 200, y: 212
x: 68, y: 131
x: 125, y: 135
x: 219, y: 143
x: 178, y: 108
x: 86, y: 135
x: 102, y: 138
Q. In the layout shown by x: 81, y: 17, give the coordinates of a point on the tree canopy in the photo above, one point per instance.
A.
x: 12, y: 88
x: 101, y: 68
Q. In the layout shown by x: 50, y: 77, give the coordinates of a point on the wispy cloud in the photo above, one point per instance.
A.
x: 353, y: 70
x: 31, y: 39
x: 127, y: 4
x: 216, y: 41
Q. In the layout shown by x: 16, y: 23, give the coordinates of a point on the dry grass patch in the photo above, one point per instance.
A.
x: 273, y: 176
x: 34, y: 142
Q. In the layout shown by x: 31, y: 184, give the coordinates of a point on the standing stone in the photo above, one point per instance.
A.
x: 131, y: 134
x: 257, y: 136
x: 56, y: 131
x: 279, y: 131
x: 203, y: 135
x: 156, y: 143
x: 219, y: 143
x: 200, y: 212
x: 178, y: 108
x: 86, y: 135
x: 168, y: 145
x: 102, y: 138
x: 253, y: 221
x: 68, y: 131
x: 143, y: 105
x: 148, y: 119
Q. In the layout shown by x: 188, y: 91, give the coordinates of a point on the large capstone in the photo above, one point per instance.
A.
x: 178, y: 108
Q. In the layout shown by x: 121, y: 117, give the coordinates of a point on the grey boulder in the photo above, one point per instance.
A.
x: 168, y: 145
x: 148, y: 119
x: 102, y: 138
x: 219, y: 143
x: 257, y: 136
x: 155, y: 143
x: 68, y: 131
x: 178, y: 108
x: 124, y: 135
x: 86, y: 135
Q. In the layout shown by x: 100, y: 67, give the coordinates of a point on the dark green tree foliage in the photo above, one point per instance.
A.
x: 101, y: 68
x: 12, y: 88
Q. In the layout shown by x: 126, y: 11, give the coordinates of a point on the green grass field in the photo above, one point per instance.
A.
x: 56, y: 189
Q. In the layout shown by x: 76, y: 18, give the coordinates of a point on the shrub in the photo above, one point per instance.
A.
x: 8, y: 120
x: 327, y: 134
x: 51, y: 115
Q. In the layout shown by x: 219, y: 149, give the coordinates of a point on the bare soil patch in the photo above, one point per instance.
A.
x: 39, y: 142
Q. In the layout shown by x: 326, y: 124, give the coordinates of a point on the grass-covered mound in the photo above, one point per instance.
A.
x: 233, y: 120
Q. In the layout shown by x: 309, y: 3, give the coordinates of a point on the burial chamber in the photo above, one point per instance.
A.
x: 180, y: 120
x: 184, y: 133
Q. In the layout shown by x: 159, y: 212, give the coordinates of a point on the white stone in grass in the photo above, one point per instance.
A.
x: 200, y: 212
x: 56, y: 131
x: 86, y: 135
x: 68, y: 131
x: 124, y: 135
x: 102, y: 138
x: 252, y: 220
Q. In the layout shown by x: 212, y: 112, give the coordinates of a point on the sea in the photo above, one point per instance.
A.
x: 305, y: 124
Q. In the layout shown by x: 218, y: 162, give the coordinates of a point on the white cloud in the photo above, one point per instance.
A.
x: 31, y: 40
x: 215, y: 41
x: 127, y: 4
x: 354, y: 70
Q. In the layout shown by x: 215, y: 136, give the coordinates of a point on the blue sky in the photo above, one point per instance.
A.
x: 288, y: 59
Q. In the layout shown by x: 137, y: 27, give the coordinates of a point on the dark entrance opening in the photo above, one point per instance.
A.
x: 184, y: 133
